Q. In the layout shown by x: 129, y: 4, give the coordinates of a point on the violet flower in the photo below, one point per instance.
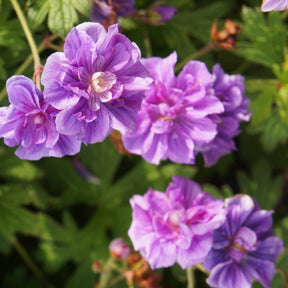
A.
x: 174, y: 115
x: 245, y: 247
x: 229, y: 89
x: 106, y: 12
x: 277, y: 5
x: 98, y: 83
x: 175, y: 226
x: 30, y: 123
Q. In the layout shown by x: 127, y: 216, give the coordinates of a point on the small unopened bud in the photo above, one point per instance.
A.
x: 227, y: 37
x: 97, y: 267
x: 159, y: 13
x: 119, y: 249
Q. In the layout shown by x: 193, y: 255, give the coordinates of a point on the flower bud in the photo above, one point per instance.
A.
x: 119, y: 249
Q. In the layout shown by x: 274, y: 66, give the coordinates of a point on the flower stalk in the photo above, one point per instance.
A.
x: 46, y: 43
x: 29, y: 38
x: 195, y: 55
x: 30, y: 263
x: 190, y: 277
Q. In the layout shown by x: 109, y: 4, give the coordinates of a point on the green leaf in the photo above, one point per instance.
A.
x: 13, y: 217
x: 262, y: 41
x: 62, y: 16
x: 224, y: 192
x: 261, y: 185
x: 63, y: 243
x: 199, y: 22
x: 3, y: 73
x: 38, y: 12
x: 16, y: 169
x: 261, y: 105
x: 281, y: 230
x: 82, y: 277
x: 11, y: 35
x: 273, y: 132
x: 105, y: 160
x: 83, y: 6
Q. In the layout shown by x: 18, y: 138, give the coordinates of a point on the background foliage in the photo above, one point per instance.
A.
x: 64, y: 212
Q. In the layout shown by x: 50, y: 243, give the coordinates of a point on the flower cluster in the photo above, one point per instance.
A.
x: 96, y: 85
x: 176, y: 226
x: 194, y: 112
x: 185, y: 225
x: 276, y: 5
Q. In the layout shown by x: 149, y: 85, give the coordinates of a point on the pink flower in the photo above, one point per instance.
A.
x: 176, y: 226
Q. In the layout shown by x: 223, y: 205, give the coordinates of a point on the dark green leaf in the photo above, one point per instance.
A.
x: 273, y: 132
x: 261, y: 185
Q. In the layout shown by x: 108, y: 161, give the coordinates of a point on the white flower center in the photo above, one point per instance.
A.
x: 39, y: 118
x: 175, y: 218
x: 103, y: 81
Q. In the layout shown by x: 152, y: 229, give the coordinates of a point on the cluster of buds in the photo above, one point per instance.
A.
x: 129, y: 264
x: 141, y: 273
x: 227, y: 37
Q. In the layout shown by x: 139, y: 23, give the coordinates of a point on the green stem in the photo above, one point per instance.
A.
x: 29, y: 262
x: 201, y: 268
x: 29, y: 37
x: 147, y: 43
x: 45, y: 44
x: 190, y: 277
x: 199, y: 53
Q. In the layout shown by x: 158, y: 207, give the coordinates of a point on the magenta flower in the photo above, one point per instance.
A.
x: 107, y: 11
x: 174, y: 115
x: 98, y: 83
x: 229, y: 89
x: 176, y: 226
x: 277, y: 5
x: 30, y: 123
x: 244, y: 248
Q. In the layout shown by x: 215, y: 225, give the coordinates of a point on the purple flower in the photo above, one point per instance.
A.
x: 30, y: 123
x: 176, y: 226
x: 244, y: 248
x: 98, y: 83
x: 277, y: 5
x: 106, y: 12
x: 229, y: 89
x: 174, y: 115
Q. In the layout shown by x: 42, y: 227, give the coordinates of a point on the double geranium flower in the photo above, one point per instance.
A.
x: 98, y: 83
x: 193, y: 112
